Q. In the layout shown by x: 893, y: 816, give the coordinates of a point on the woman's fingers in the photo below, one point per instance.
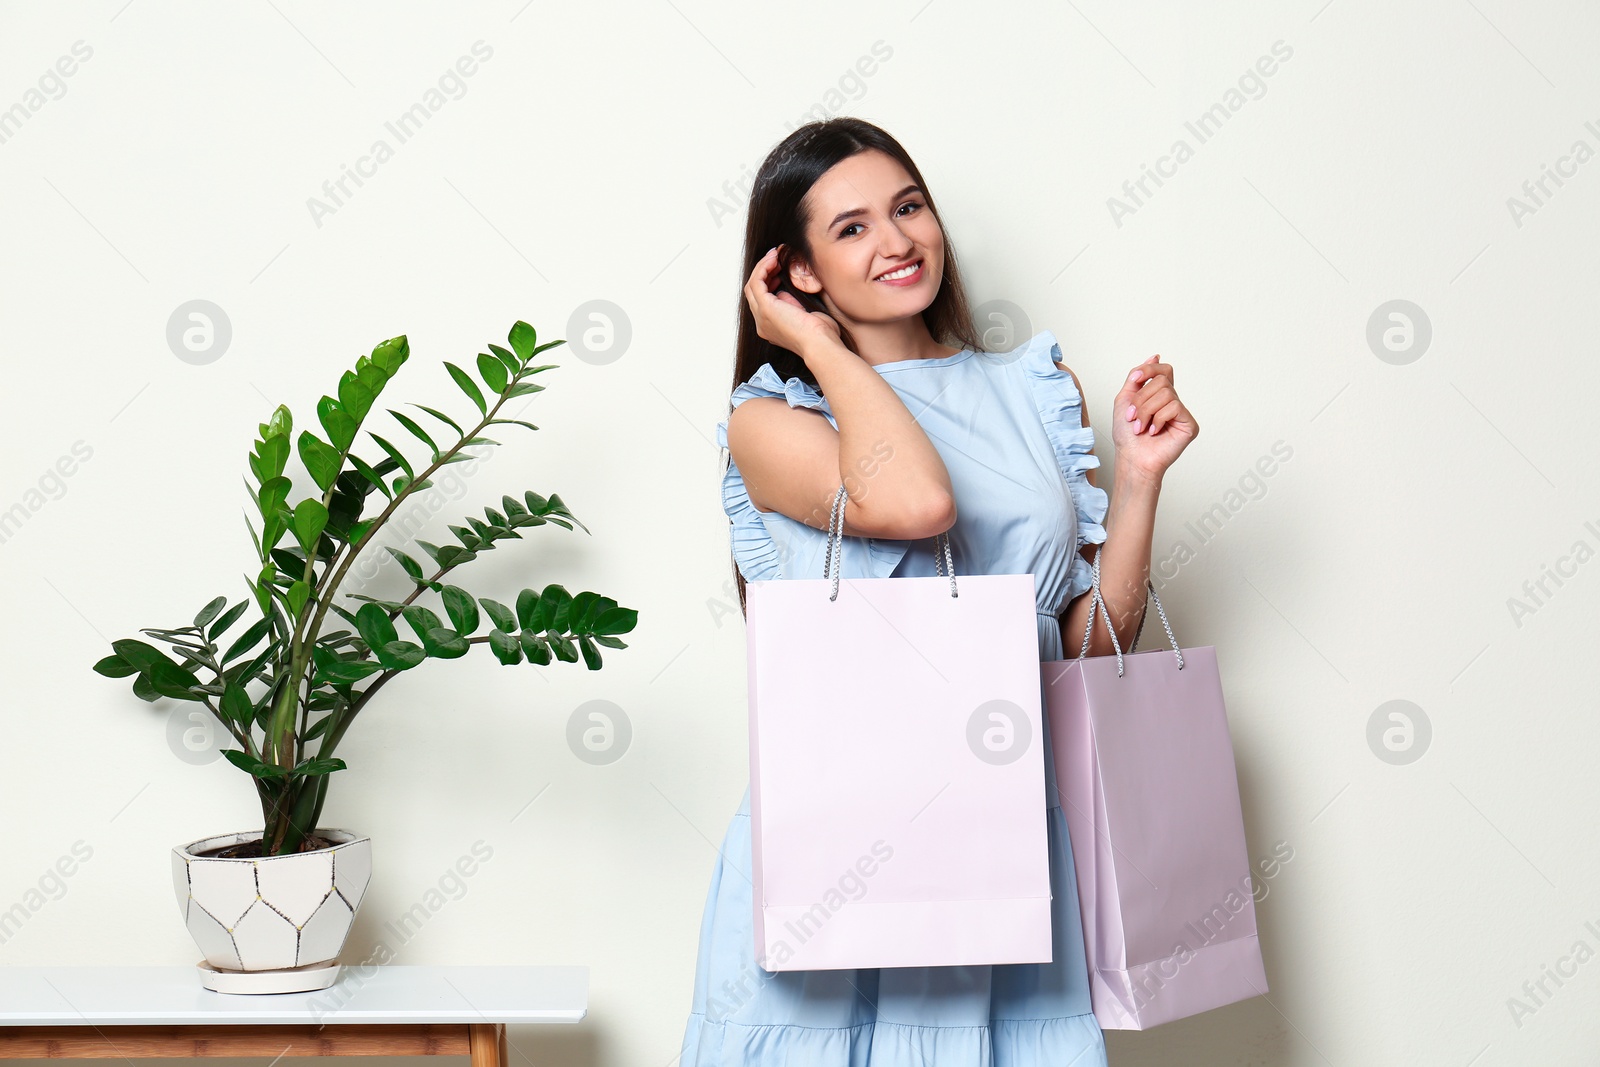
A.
x: 1154, y: 395
x: 1164, y: 414
x: 1147, y: 370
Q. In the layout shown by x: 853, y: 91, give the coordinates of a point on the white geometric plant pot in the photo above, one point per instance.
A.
x: 273, y: 924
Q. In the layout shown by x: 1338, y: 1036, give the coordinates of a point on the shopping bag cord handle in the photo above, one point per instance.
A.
x: 1098, y: 602
x: 835, y: 556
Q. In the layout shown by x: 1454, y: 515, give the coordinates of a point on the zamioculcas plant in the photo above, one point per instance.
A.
x: 286, y: 683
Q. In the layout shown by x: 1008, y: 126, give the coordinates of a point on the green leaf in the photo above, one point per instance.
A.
x: 416, y: 431
x: 349, y: 670
x: 442, y: 417
x: 370, y: 474
x: 236, y: 704
x: 468, y: 386
x: 360, y: 530
x: 220, y: 627
x: 320, y: 458
x: 499, y: 614
x: 317, y: 729
x: 400, y: 655
x: 421, y: 620
x: 615, y: 621
x: 272, y: 494
x: 523, y: 338
x: 171, y: 680
x: 371, y: 376
x: 248, y: 639
x: 535, y: 648
x: 565, y: 650
x: 591, y: 655
x: 138, y: 653
x: 309, y: 519
x: 375, y: 626
x: 513, y: 364
x: 280, y: 423
x: 115, y: 667
x: 444, y: 643
x: 554, y: 603
x: 493, y: 372
x: 461, y: 608
x: 297, y: 595
x: 512, y: 422
x: 411, y: 566
x: 523, y: 389
x: 507, y: 649
x: 337, y: 422
x: 528, y: 611
x: 390, y: 354
x: 210, y: 611
x: 274, y: 453
x: 246, y: 762
x: 394, y: 454
x: 318, y: 765
x: 355, y: 396
x: 143, y: 689
x: 610, y: 642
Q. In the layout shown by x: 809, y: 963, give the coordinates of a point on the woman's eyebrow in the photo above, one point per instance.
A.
x: 841, y: 216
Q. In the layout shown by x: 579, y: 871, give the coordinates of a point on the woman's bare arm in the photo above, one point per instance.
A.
x: 1124, y: 559
x: 793, y: 461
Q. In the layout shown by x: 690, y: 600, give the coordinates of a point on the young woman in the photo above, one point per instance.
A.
x: 858, y: 365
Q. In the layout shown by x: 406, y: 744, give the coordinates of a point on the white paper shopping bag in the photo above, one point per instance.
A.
x: 896, y: 770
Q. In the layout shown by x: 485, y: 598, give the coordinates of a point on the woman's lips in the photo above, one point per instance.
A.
x: 911, y: 279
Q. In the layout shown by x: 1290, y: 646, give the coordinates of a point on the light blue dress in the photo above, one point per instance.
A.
x: 1009, y: 429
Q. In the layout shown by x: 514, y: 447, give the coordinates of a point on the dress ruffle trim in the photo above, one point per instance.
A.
x: 754, y: 549
x: 1074, y: 1039
x: 1061, y: 410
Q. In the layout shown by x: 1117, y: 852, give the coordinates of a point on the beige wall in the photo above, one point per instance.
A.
x: 597, y: 154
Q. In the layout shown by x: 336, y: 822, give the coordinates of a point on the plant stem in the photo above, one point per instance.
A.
x: 332, y: 575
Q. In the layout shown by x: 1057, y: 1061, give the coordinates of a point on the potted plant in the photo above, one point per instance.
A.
x: 271, y: 909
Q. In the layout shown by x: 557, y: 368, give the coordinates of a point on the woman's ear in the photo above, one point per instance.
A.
x: 801, y: 278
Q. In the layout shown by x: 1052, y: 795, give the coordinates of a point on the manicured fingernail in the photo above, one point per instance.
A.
x: 1132, y: 410
x: 1134, y: 376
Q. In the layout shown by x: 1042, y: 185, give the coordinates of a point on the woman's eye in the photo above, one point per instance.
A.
x: 846, y: 231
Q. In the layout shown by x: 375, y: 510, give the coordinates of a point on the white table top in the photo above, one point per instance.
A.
x: 363, y: 993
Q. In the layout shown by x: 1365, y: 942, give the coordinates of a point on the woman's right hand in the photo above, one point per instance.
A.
x: 780, y: 318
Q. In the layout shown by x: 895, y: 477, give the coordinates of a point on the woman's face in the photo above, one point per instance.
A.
x: 867, y: 218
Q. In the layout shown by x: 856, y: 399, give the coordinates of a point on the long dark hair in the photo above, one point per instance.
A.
x: 777, y: 217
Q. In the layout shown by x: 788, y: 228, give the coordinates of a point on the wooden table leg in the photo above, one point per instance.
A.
x: 488, y: 1044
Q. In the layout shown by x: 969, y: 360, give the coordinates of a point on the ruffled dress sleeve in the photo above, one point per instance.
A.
x: 763, y: 542
x: 1061, y: 410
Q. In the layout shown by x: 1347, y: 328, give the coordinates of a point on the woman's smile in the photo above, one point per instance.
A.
x: 910, y: 274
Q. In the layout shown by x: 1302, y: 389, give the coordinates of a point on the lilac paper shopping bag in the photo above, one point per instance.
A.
x: 1144, y: 763
x: 896, y: 772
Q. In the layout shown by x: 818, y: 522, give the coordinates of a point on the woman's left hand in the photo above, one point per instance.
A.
x: 1150, y: 427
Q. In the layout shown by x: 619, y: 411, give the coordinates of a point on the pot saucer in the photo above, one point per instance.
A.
x: 290, y: 980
